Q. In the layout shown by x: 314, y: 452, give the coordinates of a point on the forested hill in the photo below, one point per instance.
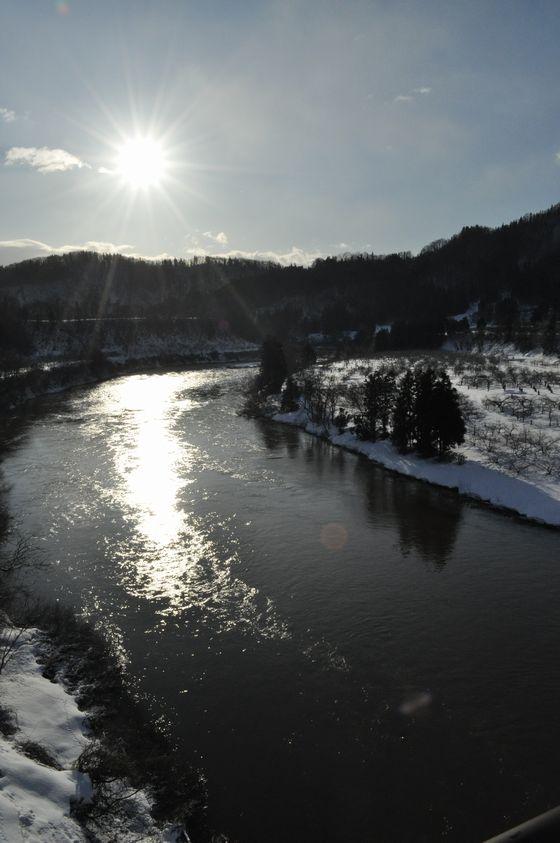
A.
x: 505, y: 268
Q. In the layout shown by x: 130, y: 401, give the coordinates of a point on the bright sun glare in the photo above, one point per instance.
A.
x: 141, y: 162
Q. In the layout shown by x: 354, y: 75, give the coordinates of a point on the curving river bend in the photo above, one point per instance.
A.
x: 348, y: 655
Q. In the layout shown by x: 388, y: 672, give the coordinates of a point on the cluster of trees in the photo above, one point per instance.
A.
x: 419, y: 412
x: 418, y: 409
x: 412, y: 402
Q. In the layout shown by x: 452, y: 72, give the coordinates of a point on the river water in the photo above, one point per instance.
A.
x: 348, y: 655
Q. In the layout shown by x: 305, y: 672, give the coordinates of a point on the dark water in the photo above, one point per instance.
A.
x: 348, y: 655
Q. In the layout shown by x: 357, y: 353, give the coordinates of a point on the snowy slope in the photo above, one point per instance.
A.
x: 35, y: 798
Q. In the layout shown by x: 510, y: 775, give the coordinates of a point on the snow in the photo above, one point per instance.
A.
x: 537, y: 499
x: 34, y: 798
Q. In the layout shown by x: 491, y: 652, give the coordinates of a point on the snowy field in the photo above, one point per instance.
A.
x: 511, y: 405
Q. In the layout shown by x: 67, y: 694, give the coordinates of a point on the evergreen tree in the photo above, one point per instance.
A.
x: 273, y: 369
x: 424, y: 411
x: 449, y: 428
x: 378, y: 394
x: 404, y: 416
x: 387, y: 389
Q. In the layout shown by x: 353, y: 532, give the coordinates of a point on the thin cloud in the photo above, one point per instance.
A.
x: 43, y: 159
x: 413, y: 94
x: 7, y: 115
x: 200, y: 238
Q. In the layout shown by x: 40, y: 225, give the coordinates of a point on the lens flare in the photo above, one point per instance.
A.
x: 334, y: 536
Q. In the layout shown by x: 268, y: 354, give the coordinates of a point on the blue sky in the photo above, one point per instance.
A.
x: 289, y: 128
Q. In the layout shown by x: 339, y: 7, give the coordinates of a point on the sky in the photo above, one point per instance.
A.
x: 286, y: 129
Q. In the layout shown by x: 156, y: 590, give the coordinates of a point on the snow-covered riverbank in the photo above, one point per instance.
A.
x: 32, y: 383
x: 37, y: 761
x: 538, y: 500
x: 42, y: 734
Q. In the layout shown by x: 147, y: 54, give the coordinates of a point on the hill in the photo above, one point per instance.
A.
x: 511, y: 271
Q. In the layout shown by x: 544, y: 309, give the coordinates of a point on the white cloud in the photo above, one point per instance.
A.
x: 221, y: 237
x: 89, y: 245
x: 295, y: 255
x: 422, y: 91
x: 403, y: 98
x: 208, y: 245
x: 43, y: 159
x: 7, y: 115
x: 25, y: 247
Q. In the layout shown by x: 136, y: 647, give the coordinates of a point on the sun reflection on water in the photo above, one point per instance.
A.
x: 150, y: 464
x: 170, y: 555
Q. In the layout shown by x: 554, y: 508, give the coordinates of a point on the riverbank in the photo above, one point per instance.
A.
x: 538, y: 502
x: 43, y: 734
x: 33, y: 383
x: 79, y: 755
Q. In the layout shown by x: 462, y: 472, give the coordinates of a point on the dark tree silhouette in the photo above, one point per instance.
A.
x: 378, y: 394
x: 424, y: 411
x: 404, y: 415
x: 273, y: 369
x: 449, y: 424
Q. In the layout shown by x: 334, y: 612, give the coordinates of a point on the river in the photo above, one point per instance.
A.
x: 348, y: 655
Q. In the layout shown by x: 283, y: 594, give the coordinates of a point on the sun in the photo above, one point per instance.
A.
x: 141, y: 162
